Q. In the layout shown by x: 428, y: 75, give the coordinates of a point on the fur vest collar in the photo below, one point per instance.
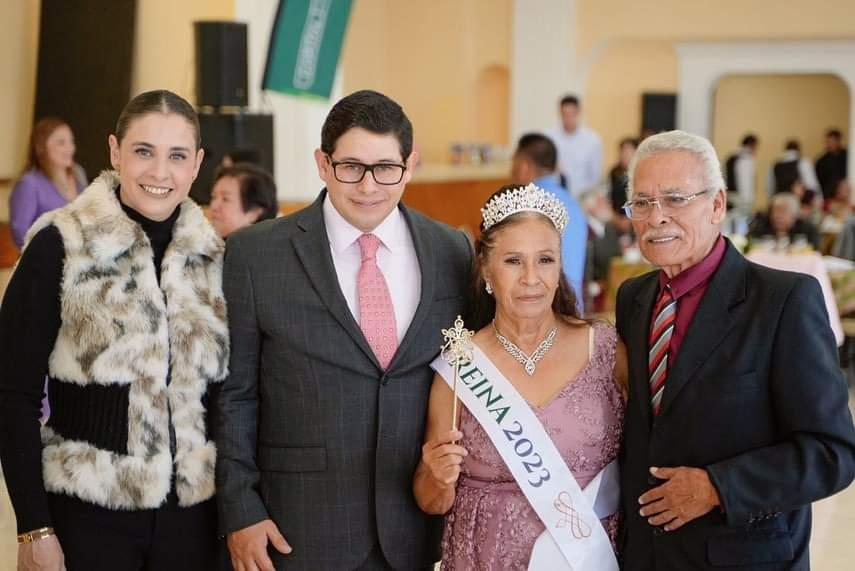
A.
x: 167, y: 341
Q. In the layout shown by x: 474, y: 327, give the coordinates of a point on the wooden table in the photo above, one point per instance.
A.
x: 455, y: 194
x: 621, y: 270
x: 8, y: 250
x: 810, y: 264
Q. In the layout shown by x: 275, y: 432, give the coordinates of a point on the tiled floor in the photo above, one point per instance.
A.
x: 833, y: 526
x: 831, y: 547
x: 8, y: 547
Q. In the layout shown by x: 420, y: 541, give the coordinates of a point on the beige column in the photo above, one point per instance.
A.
x: 543, y: 62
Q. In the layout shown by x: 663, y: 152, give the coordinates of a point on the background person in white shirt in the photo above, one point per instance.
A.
x: 740, y: 169
x: 580, y: 149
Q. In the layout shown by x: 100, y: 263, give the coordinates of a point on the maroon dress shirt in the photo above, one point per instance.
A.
x: 688, y: 288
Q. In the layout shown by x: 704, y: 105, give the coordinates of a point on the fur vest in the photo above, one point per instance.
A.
x: 136, y: 355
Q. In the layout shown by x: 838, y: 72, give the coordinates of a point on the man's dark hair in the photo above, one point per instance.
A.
x: 749, y: 140
x: 570, y: 100
x: 539, y: 149
x: 792, y: 145
x: 834, y: 133
x: 257, y: 188
x: 371, y: 111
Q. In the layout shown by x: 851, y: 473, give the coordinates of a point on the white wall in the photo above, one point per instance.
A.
x: 543, y: 63
x: 296, y: 121
x: 703, y: 63
x: 19, y: 40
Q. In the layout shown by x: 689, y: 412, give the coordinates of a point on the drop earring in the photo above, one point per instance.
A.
x: 488, y: 287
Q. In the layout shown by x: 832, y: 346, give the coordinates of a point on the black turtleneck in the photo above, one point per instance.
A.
x: 30, y: 318
x: 159, y: 232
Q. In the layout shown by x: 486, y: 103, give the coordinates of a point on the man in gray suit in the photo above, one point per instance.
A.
x: 335, y: 313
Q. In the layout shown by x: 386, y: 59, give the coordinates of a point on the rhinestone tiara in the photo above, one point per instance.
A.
x: 531, y: 198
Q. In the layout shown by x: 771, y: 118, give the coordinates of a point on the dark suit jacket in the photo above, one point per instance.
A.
x: 312, y: 432
x: 756, y: 397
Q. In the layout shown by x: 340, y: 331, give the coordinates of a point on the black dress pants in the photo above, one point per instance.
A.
x: 168, y: 538
x: 377, y: 562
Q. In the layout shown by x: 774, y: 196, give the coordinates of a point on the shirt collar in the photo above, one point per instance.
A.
x: 697, y: 275
x: 392, y: 231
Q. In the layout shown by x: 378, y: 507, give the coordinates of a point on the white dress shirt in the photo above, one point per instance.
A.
x: 744, y: 171
x: 580, y: 157
x: 396, y: 258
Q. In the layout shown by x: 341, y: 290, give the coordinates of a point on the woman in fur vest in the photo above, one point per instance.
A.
x: 117, y: 299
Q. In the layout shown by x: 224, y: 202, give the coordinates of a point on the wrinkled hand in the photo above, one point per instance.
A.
x: 248, y: 546
x: 41, y: 555
x: 687, y: 494
x: 443, y: 457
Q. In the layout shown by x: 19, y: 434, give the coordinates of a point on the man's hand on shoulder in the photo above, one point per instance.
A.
x: 248, y: 546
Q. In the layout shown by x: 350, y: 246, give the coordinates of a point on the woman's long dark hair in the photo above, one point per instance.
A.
x: 482, y: 306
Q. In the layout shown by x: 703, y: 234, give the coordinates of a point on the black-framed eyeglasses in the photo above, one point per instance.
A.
x: 641, y: 208
x: 352, y: 172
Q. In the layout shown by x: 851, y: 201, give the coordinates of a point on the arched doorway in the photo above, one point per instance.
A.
x: 702, y: 64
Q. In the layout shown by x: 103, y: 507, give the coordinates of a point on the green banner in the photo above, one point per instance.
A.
x: 305, y: 46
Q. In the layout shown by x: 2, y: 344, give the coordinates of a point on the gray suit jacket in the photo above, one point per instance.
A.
x: 310, y: 431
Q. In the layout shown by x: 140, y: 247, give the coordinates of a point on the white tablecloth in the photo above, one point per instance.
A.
x: 811, y: 264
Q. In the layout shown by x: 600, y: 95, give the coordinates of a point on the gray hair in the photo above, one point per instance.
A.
x: 685, y: 142
x: 788, y: 199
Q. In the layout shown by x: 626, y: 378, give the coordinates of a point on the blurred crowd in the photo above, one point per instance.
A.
x: 799, y: 205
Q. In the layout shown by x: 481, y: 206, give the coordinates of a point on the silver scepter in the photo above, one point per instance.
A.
x: 457, y: 351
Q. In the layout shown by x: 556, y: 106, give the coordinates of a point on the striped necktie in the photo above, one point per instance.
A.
x: 665, y: 318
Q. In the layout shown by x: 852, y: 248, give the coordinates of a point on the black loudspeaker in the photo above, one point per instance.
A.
x: 222, y: 133
x: 221, y: 68
x: 84, y: 71
x: 658, y: 112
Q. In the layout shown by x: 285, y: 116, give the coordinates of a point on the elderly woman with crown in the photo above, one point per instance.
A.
x: 529, y: 480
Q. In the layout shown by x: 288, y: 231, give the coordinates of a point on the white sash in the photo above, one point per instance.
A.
x: 574, y: 538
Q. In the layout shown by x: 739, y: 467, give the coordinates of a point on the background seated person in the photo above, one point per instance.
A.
x: 783, y: 221
x: 243, y: 194
x: 837, y: 207
x: 51, y: 178
x: 604, y: 244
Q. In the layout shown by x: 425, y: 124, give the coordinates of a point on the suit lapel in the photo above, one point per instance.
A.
x: 427, y: 265
x: 638, y: 337
x: 710, y: 324
x: 313, y: 249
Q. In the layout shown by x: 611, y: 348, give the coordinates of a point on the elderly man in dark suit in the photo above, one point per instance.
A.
x: 737, y: 416
x: 335, y: 313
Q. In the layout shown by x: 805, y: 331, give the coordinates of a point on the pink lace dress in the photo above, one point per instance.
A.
x: 491, y: 525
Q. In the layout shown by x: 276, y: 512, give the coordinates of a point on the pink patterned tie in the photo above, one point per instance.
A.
x: 376, y: 313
